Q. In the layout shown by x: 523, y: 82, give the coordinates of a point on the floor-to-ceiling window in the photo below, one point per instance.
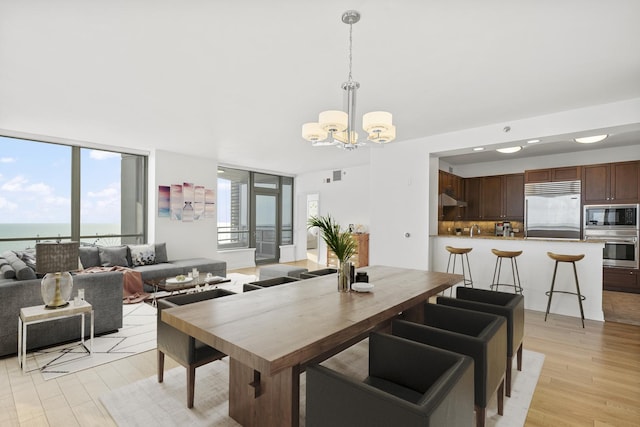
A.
x: 60, y: 192
x: 254, y: 210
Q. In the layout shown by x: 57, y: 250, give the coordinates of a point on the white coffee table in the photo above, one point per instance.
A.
x: 38, y: 314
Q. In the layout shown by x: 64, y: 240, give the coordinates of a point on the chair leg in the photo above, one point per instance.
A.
x: 520, y: 357
x: 191, y: 385
x: 495, y: 270
x: 575, y: 273
x: 550, y: 293
x: 481, y: 415
x: 508, y: 376
x: 519, y: 288
x: 469, y: 270
x: 160, y: 366
x: 501, y: 398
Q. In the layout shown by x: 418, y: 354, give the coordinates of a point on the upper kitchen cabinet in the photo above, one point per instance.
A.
x: 472, y: 195
x: 502, y: 197
x: 611, y: 183
x: 451, y: 185
x: 569, y: 173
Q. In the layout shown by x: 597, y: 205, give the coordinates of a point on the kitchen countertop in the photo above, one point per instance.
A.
x: 520, y: 238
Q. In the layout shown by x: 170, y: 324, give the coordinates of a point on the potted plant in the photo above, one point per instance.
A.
x: 341, y: 243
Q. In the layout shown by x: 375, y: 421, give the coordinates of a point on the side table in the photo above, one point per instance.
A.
x: 38, y: 314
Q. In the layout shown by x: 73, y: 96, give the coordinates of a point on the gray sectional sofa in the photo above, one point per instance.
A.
x: 19, y: 288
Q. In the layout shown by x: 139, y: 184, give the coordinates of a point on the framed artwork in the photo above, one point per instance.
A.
x: 186, y: 202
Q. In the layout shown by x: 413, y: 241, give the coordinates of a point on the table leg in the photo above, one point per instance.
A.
x: 91, y: 345
x: 82, y: 331
x: 260, y: 400
x: 20, y: 342
x: 24, y: 347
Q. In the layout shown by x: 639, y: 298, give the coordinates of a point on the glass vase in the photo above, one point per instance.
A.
x: 344, y: 276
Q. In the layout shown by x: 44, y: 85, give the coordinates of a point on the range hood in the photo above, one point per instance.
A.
x: 449, y: 200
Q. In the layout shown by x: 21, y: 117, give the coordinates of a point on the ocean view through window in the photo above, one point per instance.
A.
x: 51, y: 191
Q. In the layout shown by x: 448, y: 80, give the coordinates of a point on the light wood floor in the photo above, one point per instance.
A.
x: 590, y: 377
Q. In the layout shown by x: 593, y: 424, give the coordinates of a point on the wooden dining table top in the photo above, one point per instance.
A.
x: 290, y: 324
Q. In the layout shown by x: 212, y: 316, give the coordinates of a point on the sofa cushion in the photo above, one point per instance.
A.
x: 23, y: 271
x: 114, y: 255
x: 142, y: 255
x: 6, y: 271
x: 89, y: 256
x: 161, y: 252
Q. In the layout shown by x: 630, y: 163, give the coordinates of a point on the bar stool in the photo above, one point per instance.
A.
x: 462, y: 253
x: 511, y: 255
x: 565, y: 258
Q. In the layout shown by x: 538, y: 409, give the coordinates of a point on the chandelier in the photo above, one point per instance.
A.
x: 335, y: 127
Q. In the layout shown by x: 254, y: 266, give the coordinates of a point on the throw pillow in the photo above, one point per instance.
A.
x: 89, y: 256
x: 161, y: 253
x: 23, y: 271
x: 142, y: 254
x: 6, y: 271
x: 112, y: 256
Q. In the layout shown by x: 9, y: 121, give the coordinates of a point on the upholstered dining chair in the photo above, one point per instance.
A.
x: 266, y: 283
x: 185, y: 349
x: 481, y: 336
x: 316, y: 273
x: 506, y: 304
x: 409, y: 384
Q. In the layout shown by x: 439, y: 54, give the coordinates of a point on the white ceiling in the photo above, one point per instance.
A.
x: 236, y: 80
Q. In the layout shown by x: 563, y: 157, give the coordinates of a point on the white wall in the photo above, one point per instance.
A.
x: 184, y: 239
x: 346, y: 200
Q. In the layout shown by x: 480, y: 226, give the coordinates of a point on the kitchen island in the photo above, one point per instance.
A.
x: 535, y: 267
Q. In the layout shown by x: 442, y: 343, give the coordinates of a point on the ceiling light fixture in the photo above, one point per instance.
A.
x: 533, y: 141
x: 335, y: 127
x: 591, y: 139
x: 509, y: 150
x: 478, y: 149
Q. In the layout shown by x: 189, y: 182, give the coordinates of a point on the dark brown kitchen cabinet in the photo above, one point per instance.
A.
x: 611, y: 183
x: 502, y: 197
x: 620, y: 279
x: 568, y: 173
x: 452, y: 185
x: 473, y: 197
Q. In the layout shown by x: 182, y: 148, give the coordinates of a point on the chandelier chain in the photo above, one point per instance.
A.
x: 350, y: 50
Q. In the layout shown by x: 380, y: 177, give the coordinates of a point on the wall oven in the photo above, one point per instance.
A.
x: 618, y: 227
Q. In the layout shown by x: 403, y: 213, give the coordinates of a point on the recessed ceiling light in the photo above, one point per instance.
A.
x: 533, y: 141
x: 478, y: 149
x: 509, y: 150
x: 591, y: 139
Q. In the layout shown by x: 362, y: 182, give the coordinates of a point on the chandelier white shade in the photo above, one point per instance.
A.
x: 335, y: 127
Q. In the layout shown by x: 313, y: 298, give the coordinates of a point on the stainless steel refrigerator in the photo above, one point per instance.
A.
x: 552, y: 210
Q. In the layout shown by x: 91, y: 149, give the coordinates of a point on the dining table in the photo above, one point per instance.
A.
x: 271, y: 335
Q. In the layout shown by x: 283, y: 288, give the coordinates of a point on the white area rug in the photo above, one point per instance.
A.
x: 147, y: 402
x: 138, y: 334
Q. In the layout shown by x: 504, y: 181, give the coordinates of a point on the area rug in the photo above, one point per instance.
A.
x: 138, y: 334
x: 147, y: 402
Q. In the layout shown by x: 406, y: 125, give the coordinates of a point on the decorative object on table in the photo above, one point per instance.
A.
x: 55, y: 260
x: 335, y: 127
x: 362, y: 277
x: 341, y: 243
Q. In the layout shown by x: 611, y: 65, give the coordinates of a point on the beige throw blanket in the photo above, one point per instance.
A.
x: 132, y: 289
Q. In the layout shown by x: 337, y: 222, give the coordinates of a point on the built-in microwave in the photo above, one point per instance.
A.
x: 610, y: 217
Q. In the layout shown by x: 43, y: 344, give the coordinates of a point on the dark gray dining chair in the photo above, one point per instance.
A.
x: 266, y: 283
x: 409, y: 384
x: 506, y: 304
x: 183, y: 348
x: 481, y: 336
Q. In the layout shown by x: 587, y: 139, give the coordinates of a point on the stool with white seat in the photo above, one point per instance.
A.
x: 510, y: 255
x: 565, y: 258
